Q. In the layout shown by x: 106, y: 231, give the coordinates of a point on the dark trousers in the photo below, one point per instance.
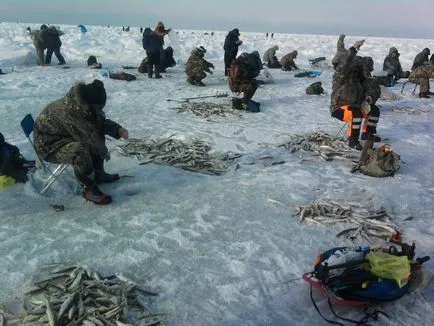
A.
x: 228, y: 60
x: 154, y: 59
x: 56, y: 51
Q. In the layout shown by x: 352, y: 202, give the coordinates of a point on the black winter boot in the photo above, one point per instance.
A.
x: 199, y: 82
x: 157, y: 71
x: 150, y: 70
x: 354, y: 143
x: 375, y: 138
x: 95, y: 195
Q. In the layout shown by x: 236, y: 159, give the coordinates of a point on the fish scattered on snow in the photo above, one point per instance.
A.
x: 365, y: 223
x: 72, y: 294
x: 324, y: 145
x: 195, y: 156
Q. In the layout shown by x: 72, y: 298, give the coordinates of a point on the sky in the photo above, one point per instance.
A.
x: 216, y: 248
x: 387, y: 18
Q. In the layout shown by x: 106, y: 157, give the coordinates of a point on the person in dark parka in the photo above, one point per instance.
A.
x: 232, y: 42
x: 167, y: 61
x: 72, y: 130
x: 152, y: 43
x: 51, y: 37
x: 392, y: 66
x: 421, y: 58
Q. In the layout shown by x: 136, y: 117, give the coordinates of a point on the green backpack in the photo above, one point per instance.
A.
x: 379, y: 162
x: 315, y: 89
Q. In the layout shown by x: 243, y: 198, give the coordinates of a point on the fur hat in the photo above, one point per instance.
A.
x: 43, y: 26
x: 91, y: 60
x: 94, y: 93
x: 236, y: 31
x: 201, y: 49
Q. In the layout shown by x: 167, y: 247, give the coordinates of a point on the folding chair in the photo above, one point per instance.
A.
x: 27, y: 125
x: 405, y: 83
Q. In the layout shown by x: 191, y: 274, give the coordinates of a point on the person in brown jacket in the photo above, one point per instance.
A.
x: 287, y: 61
x: 72, y: 130
x: 240, y: 78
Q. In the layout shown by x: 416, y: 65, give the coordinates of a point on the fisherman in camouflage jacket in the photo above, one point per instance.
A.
x: 421, y: 76
x: 352, y: 88
x: 72, y: 130
x: 197, y: 66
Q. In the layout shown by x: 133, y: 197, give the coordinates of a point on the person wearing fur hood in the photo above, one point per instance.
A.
x: 72, y: 130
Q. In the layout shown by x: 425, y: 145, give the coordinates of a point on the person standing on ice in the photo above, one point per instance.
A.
x: 197, y: 66
x: 51, y: 35
x: 232, y: 42
x: 353, y: 95
x: 72, y: 130
x: 153, y: 42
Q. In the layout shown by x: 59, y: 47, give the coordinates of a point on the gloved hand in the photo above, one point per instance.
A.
x: 365, y: 107
x: 212, y: 66
x: 358, y: 44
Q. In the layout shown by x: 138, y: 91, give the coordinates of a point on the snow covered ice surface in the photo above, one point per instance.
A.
x: 219, y: 252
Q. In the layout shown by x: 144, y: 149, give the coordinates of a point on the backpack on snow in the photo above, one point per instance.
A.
x: 12, y: 163
x: 315, y: 89
x: 378, y: 162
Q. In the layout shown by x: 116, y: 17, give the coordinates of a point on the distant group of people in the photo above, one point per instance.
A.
x: 355, y: 91
x: 72, y: 129
x: 47, y: 38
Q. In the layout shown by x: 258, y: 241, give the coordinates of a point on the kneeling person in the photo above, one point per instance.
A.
x: 197, y: 66
x: 72, y: 130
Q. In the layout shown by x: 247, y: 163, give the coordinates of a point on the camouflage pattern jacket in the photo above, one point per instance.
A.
x: 341, y: 52
x: 425, y: 71
x: 352, y: 83
x: 239, y: 76
x: 39, y: 43
x: 197, y: 65
x: 71, y: 119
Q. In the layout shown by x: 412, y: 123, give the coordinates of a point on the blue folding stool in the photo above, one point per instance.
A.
x: 27, y: 125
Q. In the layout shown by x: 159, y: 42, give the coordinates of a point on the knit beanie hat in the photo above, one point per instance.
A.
x: 94, y: 93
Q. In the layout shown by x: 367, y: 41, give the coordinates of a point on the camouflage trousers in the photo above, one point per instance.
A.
x: 80, y: 156
x: 423, y: 82
x: 248, y: 89
x: 196, y: 73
